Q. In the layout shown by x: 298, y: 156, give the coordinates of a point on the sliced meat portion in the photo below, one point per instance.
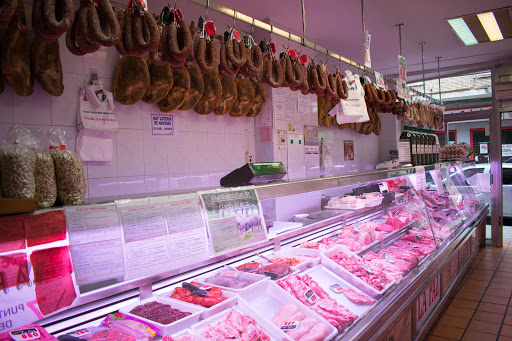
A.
x: 225, y: 65
x: 254, y: 60
x: 70, y: 39
x: 180, y: 89
x: 160, y: 82
x: 131, y: 80
x: 245, y: 98
x: 272, y: 72
x: 57, y: 16
x: 236, y: 52
x: 104, y: 28
x: 180, y: 41
x: 205, y: 54
x: 211, y: 96
x: 16, y: 55
x: 196, y: 88
x: 46, y: 66
x: 229, y: 95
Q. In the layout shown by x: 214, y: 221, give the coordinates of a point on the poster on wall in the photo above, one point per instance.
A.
x: 348, y: 150
x: 162, y: 124
x: 36, y: 276
x: 234, y: 218
x: 484, y: 148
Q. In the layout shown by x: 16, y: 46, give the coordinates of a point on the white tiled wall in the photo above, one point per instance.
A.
x: 204, y: 149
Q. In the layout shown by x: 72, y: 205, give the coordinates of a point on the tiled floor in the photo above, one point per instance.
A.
x: 482, y: 307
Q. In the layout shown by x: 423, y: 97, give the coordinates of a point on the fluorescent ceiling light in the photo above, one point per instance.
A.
x: 490, y: 25
x: 463, y: 31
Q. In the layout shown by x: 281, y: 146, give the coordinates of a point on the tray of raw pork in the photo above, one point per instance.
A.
x: 240, y: 322
x: 352, y: 268
x: 293, y: 319
x: 344, y: 293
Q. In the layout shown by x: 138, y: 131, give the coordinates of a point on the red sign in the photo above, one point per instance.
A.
x: 427, y: 300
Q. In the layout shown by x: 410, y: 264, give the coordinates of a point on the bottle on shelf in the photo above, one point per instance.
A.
x: 414, y: 146
x: 406, y: 135
x: 421, y: 146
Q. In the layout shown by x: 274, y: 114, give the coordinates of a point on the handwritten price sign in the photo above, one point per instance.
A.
x: 402, y: 69
x: 379, y: 80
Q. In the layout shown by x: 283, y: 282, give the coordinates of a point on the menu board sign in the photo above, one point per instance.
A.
x: 234, y: 218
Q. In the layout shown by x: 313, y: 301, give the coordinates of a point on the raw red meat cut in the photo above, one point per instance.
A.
x: 385, y: 227
x: 159, y: 312
x: 234, y: 325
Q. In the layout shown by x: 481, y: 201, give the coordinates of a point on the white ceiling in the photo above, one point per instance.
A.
x: 337, y: 26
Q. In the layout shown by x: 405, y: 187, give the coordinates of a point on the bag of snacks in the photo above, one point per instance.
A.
x: 69, y: 170
x: 44, y: 175
x: 17, y: 162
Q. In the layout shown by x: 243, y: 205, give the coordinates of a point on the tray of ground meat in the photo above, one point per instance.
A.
x: 167, y: 314
x: 276, y: 270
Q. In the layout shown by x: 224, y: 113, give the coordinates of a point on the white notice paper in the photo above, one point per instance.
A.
x: 146, y: 240
x: 284, y: 105
x: 96, y: 245
x: 304, y: 105
x: 187, y: 230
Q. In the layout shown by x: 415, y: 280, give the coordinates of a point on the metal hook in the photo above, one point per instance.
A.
x: 252, y: 27
x: 174, y: 3
x: 207, y: 5
x: 234, y: 16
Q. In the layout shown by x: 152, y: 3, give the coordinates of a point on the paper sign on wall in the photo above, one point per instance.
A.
x: 162, y: 124
x: 234, y: 218
x: 400, y: 90
x: 367, y: 57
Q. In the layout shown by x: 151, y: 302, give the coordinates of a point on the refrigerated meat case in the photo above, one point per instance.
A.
x: 443, y: 203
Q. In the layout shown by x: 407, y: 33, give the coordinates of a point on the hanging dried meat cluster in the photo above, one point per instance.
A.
x: 185, y: 68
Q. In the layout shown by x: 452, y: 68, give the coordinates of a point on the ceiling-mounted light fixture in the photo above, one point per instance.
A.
x: 488, y: 21
x: 483, y: 27
x: 463, y: 32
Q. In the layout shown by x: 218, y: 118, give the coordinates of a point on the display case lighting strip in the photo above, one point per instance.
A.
x: 488, y: 21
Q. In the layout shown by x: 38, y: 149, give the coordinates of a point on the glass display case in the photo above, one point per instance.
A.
x: 370, y: 254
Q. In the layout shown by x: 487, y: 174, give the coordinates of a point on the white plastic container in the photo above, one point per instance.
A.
x: 187, y: 332
x: 172, y: 327
x: 258, y: 279
x: 346, y: 275
x: 311, y: 255
x: 326, y: 278
x: 272, y: 331
x: 207, y: 312
x: 267, y: 298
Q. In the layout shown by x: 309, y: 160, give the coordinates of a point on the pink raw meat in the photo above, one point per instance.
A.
x: 239, y: 321
x: 303, y: 328
x: 284, y: 314
x: 254, y: 333
x: 358, y: 297
x: 385, y: 228
x: 317, y: 333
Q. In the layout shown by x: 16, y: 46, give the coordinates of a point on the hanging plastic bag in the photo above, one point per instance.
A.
x: 97, y: 124
x: 44, y: 176
x: 69, y: 170
x: 17, y: 162
x: 354, y: 105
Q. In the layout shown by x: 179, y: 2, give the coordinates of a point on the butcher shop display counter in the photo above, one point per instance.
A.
x: 356, y: 257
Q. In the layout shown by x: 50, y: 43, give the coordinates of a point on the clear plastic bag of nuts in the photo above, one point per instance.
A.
x: 17, y: 162
x: 69, y: 170
x: 44, y: 175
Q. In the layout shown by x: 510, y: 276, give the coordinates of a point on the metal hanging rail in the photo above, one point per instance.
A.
x: 292, y: 37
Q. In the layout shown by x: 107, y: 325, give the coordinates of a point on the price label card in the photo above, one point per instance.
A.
x: 336, y: 288
x: 407, y: 94
x: 400, y: 90
x: 25, y: 334
x: 402, y: 69
x: 80, y: 332
x: 379, y: 80
x: 310, y: 296
x: 367, y: 57
x: 290, y: 325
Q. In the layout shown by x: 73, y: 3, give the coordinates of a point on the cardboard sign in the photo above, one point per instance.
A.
x: 379, y: 80
x: 402, y: 69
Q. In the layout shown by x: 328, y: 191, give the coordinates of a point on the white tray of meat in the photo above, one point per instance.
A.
x: 343, y: 292
x: 240, y: 323
x: 215, y: 301
x: 268, y: 301
x: 185, y: 314
x: 295, y: 262
x: 312, y: 255
x: 231, y: 280
x: 354, y: 270
x: 311, y: 294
